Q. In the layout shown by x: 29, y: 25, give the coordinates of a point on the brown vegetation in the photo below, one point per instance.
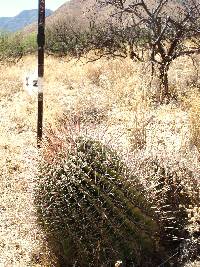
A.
x: 109, y: 100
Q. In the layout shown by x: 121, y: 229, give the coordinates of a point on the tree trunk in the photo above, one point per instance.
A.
x: 164, y: 83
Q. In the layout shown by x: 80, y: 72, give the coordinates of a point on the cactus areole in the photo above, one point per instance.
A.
x: 41, y: 43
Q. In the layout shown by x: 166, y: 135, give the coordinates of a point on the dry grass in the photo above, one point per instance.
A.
x: 109, y: 100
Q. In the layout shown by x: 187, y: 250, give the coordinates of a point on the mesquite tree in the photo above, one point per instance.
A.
x: 168, y: 28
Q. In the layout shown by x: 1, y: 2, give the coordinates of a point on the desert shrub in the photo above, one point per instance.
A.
x: 92, y: 210
x: 29, y: 43
x: 70, y: 37
x: 66, y: 38
x: 14, y: 46
x: 10, y: 47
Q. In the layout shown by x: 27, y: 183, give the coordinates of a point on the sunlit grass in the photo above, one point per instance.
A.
x: 108, y: 99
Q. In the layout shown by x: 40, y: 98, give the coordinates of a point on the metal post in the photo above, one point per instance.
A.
x: 41, y: 43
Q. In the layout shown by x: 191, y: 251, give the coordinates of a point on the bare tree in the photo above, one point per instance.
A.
x: 169, y: 29
x: 112, y: 40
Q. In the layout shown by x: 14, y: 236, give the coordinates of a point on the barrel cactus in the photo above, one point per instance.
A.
x: 93, y: 212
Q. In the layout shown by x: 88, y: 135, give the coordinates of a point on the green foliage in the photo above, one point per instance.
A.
x: 63, y: 39
x: 93, y: 212
x: 71, y: 38
x: 14, y: 46
x: 10, y: 46
x: 29, y: 43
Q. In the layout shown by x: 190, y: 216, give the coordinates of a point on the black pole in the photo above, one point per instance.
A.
x: 41, y: 43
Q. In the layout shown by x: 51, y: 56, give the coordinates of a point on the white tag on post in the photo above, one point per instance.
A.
x: 40, y: 85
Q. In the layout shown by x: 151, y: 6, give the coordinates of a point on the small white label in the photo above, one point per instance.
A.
x: 40, y: 85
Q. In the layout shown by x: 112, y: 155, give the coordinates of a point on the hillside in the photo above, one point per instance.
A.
x: 80, y: 11
x: 23, y: 19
